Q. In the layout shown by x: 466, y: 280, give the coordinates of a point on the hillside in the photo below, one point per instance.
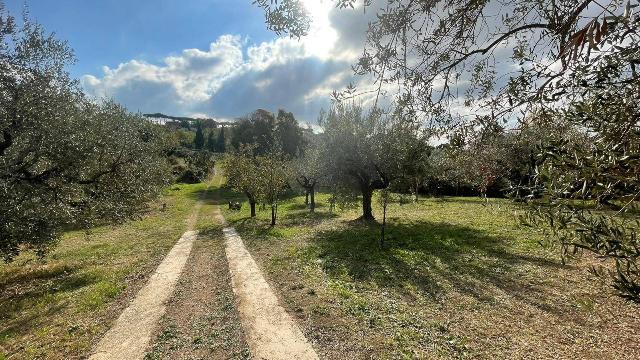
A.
x: 207, y: 122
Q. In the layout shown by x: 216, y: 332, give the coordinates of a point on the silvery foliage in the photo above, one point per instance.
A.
x: 65, y: 161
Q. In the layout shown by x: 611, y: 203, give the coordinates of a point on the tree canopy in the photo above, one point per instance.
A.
x: 64, y: 160
x: 362, y: 150
x: 199, y: 140
x: 241, y: 169
x: 502, y: 58
x: 265, y: 132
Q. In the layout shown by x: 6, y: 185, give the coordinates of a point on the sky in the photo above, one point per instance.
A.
x: 212, y: 58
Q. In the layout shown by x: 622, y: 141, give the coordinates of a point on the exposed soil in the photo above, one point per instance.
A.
x: 201, y: 320
x: 320, y: 317
x: 133, y: 331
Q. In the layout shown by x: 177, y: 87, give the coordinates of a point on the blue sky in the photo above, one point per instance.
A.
x: 108, y: 32
x: 202, y: 57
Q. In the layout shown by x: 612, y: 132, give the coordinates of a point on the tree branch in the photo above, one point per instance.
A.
x: 494, y: 43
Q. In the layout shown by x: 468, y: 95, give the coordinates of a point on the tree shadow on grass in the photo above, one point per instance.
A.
x: 294, y: 221
x: 306, y: 217
x: 39, y: 273
x: 217, y: 195
x: 25, y: 302
x: 302, y: 206
x: 435, y: 259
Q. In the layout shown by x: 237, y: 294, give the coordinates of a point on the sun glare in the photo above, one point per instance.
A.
x: 322, y: 37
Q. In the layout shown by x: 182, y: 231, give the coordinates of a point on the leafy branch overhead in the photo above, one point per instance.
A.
x: 431, y: 49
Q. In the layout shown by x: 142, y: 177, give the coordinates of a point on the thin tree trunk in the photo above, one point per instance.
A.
x: 273, y: 215
x: 312, y: 194
x: 384, y: 223
x: 253, y: 208
x: 306, y: 197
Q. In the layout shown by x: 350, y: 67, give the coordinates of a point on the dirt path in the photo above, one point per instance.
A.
x: 270, y: 331
x: 201, y: 320
x: 130, y: 335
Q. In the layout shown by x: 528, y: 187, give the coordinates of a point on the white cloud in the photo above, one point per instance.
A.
x: 232, y: 77
x: 194, y: 74
x: 278, y: 51
x: 229, y: 79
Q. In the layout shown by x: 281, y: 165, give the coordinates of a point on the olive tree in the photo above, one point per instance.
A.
x: 362, y: 150
x: 308, y: 170
x: 272, y: 174
x: 606, y: 172
x: 242, y: 170
x: 414, y: 157
x: 483, y: 158
x: 64, y: 160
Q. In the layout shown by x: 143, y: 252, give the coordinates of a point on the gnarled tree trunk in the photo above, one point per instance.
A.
x: 367, y: 212
x: 309, y: 186
x: 367, y: 186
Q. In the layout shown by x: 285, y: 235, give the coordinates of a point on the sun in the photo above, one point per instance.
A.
x: 322, y: 37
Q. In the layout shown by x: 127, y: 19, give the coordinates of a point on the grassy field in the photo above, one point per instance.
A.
x: 457, y: 279
x: 58, y: 307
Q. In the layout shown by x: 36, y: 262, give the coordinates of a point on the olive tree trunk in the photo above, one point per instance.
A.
x: 367, y: 212
x: 252, y: 204
x: 274, y: 213
x: 312, y: 195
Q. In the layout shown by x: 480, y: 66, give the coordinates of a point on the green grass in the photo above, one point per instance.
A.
x: 456, y: 279
x: 56, y: 307
x: 455, y: 275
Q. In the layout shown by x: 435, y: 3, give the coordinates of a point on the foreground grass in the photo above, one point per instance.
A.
x: 56, y: 308
x: 457, y: 279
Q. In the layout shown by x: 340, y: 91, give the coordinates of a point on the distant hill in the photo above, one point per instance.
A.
x: 164, y: 119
